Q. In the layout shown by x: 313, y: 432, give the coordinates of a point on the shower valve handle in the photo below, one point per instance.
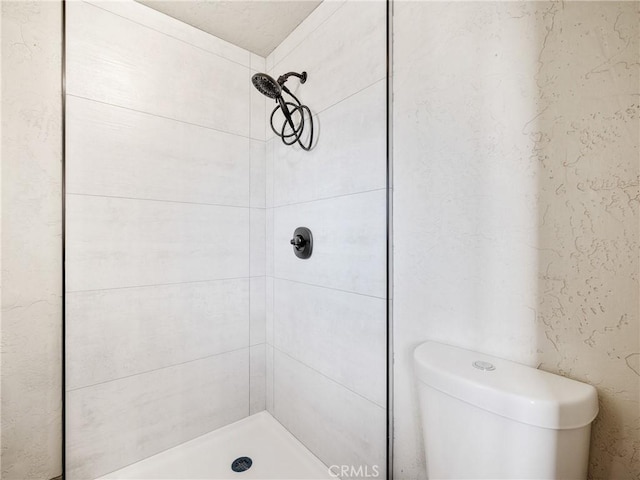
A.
x: 298, y: 242
x: 302, y: 242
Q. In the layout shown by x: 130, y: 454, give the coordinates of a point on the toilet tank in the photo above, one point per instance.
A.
x: 484, y: 417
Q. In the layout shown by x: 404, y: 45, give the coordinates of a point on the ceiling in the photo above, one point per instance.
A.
x: 256, y: 25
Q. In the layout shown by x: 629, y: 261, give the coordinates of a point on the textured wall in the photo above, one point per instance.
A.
x: 31, y: 240
x: 326, y: 316
x: 165, y: 235
x: 586, y: 149
x: 516, y: 174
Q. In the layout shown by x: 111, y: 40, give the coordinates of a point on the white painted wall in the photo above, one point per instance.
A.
x: 165, y: 235
x: 326, y: 323
x: 31, y: 346
x: 516, y: 201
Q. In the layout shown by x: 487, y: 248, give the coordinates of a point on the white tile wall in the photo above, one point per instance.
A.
x: 258, y: 173
x: 257, y: 63
x: 257, y: 379
x: 350, y: 138
x: 269, y: 180
x: 155, y: 20
x: 258, y: 232
x: 337, y: 425
x: 258, y: 106
x: 115, y: 242
x: 326, y: 316
x: 269, y: 246
x: 115, y: 151
x: 341, y: 335
x: 349, y: 243
x: 269, y: 314
x: 343, y: 56
x: 125, y: 331
x: 269, y: 379
x: 117, y: 423
x: 258, y: 305
x: 161, y: 75
x: 165, y: 226
x: 315, y: 20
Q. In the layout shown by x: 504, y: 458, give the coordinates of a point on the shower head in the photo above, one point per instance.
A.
x: 266, y: 85
x: 272, y: 88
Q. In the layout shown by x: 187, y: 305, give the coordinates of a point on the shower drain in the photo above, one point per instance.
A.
x: 241, y: 464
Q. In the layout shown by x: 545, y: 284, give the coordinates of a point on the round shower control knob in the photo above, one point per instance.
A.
x: 298, y: 242
x: 302, y: 242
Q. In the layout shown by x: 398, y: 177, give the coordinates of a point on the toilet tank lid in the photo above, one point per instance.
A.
x: 524, y: 394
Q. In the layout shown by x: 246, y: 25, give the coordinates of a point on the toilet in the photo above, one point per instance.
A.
x: 484, y: 417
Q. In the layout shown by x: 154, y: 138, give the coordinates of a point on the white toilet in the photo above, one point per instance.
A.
x: 488, y: 418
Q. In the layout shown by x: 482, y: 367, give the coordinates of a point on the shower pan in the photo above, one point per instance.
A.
x: 203, y: 337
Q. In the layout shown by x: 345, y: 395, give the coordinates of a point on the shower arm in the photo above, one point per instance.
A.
x: 283, y: 78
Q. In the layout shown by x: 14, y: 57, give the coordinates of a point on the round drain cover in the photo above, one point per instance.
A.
x: 241, y: 464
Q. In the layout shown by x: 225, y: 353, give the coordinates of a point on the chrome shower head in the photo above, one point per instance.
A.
x: 266, y: 85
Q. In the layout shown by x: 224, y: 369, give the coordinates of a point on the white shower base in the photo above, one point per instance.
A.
x: 276, y: 455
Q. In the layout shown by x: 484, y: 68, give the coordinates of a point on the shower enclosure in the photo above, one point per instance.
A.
x: 186, y: 309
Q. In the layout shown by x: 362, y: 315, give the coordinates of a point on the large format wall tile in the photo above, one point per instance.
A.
x: 337, y: 425
x: 257, y: 378
x: 258, y: 106
x: 155, y: 20
x: 116, y: 423
x: 114, y: 151
x: 350, y: 139
x: 349, y: 243
x: 114, y: 242
x: 161, y: 175
x: 345, y: 55
x: 113, y: 60
x: 257, y: 242
x: 257, y: 310
x: 120, y: 332
x: 314, y: 21
x: 258, y: 173
x: 340, y: 334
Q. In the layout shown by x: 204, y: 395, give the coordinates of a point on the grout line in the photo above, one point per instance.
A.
x: 327, y: 377
x: 328, y: 288
x: 321, y: 199
x: 162, y: 200
x: 161, y: 116
x: 158, y: 369
x: 319, y: 112
x: 176, y: 38
x: 306, y: 36
x: 374, y: 83
x: 158, y: 285
x: 271, y: 136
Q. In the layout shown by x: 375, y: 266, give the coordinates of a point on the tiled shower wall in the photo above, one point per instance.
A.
x: 326, y: 316
x: 165, y: 235
x: 516, y: 170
